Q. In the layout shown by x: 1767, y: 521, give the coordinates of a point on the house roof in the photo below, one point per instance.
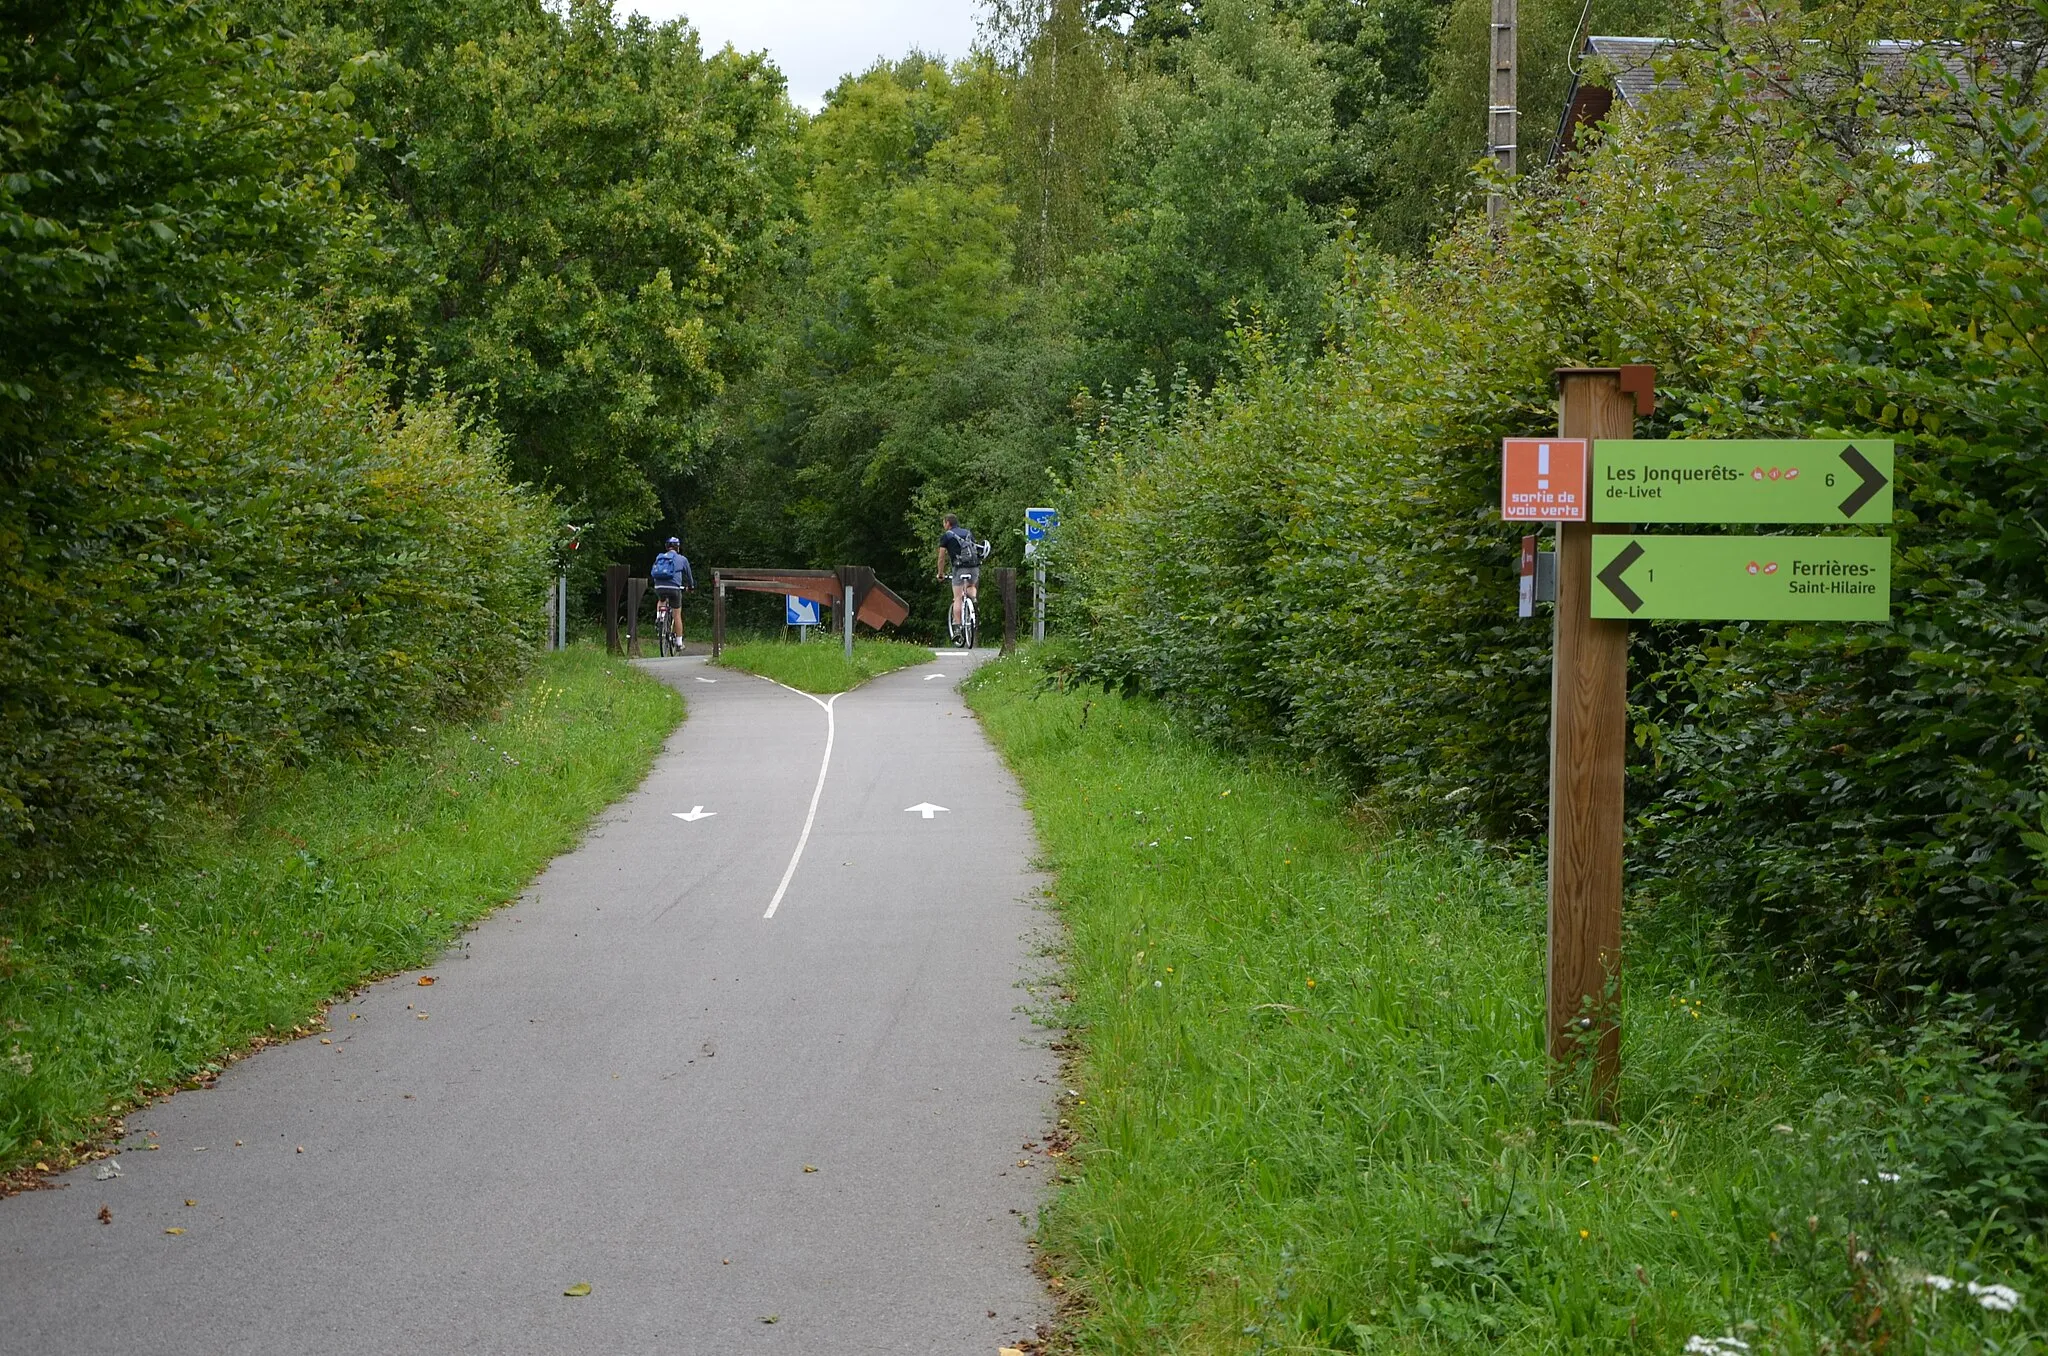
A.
x: 1631, y: 60
x: 1625, y: 70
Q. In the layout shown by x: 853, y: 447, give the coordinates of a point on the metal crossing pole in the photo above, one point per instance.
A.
x: 1500, y: 110
x: 1038, y: 604
x: 849, y: 620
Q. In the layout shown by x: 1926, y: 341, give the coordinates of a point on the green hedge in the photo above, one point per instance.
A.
x: 255, y: 558
x: 1309, y: 558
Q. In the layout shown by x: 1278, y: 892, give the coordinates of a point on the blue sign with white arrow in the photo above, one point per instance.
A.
x: 799, y: 611
x: 1038, y: 523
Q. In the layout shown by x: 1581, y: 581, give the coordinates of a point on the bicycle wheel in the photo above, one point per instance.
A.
x: 968, y: 623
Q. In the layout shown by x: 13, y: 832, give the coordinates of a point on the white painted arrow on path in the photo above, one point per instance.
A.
x: 707, y: 680
x: 927, y: 809
x: 697, y: 812
x: 929, y: 676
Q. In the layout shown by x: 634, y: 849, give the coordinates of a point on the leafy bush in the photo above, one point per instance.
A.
x: 1310, y: 556
x: 156, y: 164
x: 255, y: 559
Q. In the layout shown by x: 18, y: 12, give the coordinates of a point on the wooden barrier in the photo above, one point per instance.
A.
x: 614, y: 594
x: 636, y: 592
x: 1006, y: 585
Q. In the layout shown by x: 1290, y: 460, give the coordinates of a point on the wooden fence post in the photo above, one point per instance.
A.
x: 636, y: 591
x: 1588, y: 752
x: 1006, y: 584
x: 614, y: 593
x: 717, y: 614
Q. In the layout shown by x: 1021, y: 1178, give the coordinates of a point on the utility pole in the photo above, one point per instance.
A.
x: 1500, y: 110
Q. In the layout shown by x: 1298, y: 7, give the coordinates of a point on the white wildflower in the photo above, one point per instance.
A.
x: 2000, y: 1298
x: 1936, y: 1281
x: 1715, y: 1346
x: 1887, y: 1177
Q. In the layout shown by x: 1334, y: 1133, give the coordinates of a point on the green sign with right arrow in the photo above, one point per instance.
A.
x: 1669, y: 578
x: 1776, y: 480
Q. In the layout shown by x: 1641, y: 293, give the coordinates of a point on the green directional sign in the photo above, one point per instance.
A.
x: 1785, y: 480
x: 1666, y: 578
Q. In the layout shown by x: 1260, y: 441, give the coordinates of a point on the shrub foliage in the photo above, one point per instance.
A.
x: 1310, y: 557
x: 257, y: 558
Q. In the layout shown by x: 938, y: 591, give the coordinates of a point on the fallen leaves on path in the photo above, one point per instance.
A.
x: 578, y: 1290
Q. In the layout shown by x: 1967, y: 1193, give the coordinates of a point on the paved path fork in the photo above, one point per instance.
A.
x: 627, y: 1078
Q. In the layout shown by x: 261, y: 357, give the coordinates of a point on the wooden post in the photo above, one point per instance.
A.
x: 1006, y: 584
x: 717, y: 614
x: 636, y: 591
x: 1588, y: 748
x: 614, y: 592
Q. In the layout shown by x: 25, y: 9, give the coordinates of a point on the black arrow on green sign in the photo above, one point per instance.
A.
x: 1873, y: 481
x: 1616, y: 568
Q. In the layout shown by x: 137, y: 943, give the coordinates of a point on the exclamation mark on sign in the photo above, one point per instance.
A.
x: 1543, y: 466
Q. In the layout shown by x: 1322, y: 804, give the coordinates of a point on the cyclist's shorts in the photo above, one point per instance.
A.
x: 962, y: 577
x: 674, y: 595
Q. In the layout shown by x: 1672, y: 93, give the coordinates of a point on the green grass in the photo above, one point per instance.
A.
x: 821, y: 666
x: 1312, y: 1112
x: 150, y: 978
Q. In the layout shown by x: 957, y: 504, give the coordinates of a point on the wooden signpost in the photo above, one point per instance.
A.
x: 1608, y: 575
x: 1588, y: 746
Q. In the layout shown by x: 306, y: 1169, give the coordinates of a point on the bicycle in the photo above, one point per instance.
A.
x: 664, y: 627
x: 964, y: 630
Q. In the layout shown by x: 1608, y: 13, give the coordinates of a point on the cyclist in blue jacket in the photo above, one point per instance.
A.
x: 959, y: 559
x: 670, y: 575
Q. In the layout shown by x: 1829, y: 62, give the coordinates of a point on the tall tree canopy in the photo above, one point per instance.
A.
x: 912, y: 371
x: 565, y: 216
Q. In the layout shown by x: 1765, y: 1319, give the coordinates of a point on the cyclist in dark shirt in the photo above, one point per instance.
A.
x: 670, y: 575
x: 960, y: 558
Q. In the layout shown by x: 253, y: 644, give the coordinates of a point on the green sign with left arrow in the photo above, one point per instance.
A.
x: 1654, y: 577
x: 1779, y: 480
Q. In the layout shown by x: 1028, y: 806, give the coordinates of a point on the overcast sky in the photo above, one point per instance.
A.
x: 814, y: 42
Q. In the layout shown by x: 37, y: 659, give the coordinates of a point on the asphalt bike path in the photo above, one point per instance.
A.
x: 798, y: 1133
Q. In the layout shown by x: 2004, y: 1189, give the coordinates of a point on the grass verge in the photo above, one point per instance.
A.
x: 147, y: 979
x: 1313, y: 1113
x: 820, y: 667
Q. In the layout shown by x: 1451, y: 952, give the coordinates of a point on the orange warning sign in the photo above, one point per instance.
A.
x: 1543, y: 480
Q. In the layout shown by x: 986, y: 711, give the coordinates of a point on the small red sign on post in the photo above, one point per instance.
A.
x: 1543, y: 480
x: 1528, y: 583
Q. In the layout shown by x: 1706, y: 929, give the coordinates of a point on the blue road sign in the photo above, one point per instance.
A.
x: 799, y: 611
x: 1038, y: 522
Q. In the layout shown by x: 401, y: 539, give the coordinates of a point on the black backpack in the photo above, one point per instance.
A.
x: 969, y: 555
